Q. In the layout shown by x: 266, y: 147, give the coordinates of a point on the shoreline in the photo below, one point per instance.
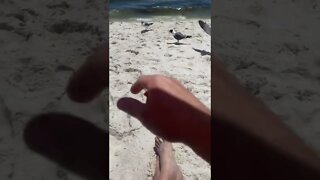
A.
x: 187, y: 14
x: 160, y: 19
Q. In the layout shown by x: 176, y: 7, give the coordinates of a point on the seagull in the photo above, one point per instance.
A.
x: 146, y: 24
x: 205, y: 27
x: 178, y: 35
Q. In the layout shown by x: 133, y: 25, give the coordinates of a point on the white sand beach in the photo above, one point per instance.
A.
x: 132, y: 54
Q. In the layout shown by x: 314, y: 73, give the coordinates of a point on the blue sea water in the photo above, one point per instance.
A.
x: 123, y: 8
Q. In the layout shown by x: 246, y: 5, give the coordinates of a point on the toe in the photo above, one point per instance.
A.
x: 158, y: 141
x: 156, y: 151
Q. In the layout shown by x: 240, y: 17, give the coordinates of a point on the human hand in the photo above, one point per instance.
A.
x: 171, y: 111
x: 73, y: 142
x: 92, y: 77
x: 250, y: 140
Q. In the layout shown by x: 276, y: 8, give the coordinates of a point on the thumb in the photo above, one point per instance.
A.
x: 131, y: 106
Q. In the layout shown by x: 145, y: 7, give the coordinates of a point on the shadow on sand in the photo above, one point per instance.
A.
x: 72, y: 142
x: 146, y: 30
x: 176, y: 43
x: 202, y: 52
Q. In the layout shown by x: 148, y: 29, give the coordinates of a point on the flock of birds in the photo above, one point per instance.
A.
x: 178, y: 35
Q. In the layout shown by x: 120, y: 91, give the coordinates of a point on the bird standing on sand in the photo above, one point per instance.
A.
x: 146, y: 24
x: 178, y: 35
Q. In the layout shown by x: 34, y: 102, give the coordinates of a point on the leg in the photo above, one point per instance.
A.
x: 157, y: 169
x: 166, y: 167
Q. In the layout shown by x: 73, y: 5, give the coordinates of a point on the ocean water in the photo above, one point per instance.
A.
x: 143, y: 8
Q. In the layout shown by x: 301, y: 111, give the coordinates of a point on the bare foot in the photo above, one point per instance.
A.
x: 166, y: 166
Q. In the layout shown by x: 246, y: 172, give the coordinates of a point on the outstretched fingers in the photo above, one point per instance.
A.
x: 143, y: 82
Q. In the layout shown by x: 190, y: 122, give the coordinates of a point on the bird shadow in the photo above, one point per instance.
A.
x: 176, y: 43
x: 146, y: 30
x: 72, y: 142
x: 202, y: 52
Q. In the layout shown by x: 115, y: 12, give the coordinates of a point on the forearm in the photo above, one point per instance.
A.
x: 199, y: 134
x: 254, y: 127
x: 239, y: 155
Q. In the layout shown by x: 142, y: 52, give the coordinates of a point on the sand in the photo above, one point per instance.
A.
x: 132, y: 54
x: 42, y: 43
x: 273, y: 48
